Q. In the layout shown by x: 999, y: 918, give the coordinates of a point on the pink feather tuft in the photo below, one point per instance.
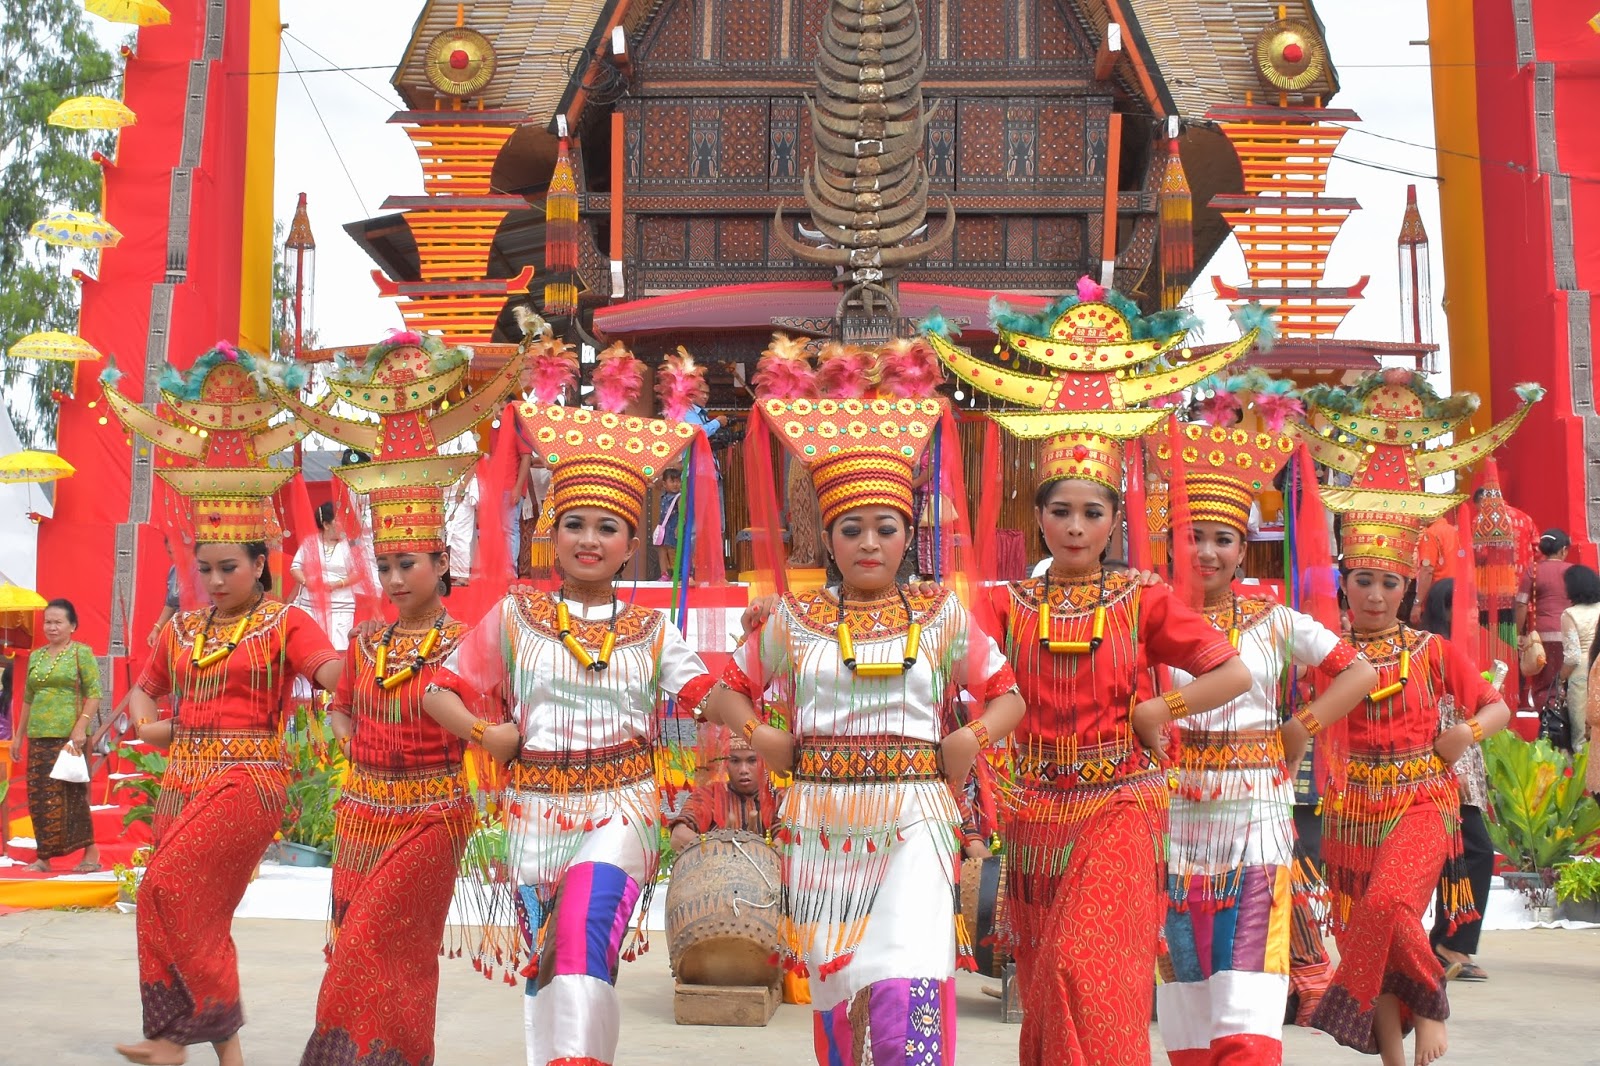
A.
x: 553, y: 369
x: 1089, y: 290
x: 678, y: 379
x: 1220, y: 409
x: 1276, y: 409
x: 846, y: 371
x: 618, y: 377
x: 909, y: 368
x: 784, y: 373
x: 400, y: 337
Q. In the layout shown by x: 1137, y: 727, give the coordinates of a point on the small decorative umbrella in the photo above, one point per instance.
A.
x: 51, y: 344
x: 15, y: 599
x: 76, y: 229
x: 33, y: 466
x: 92, y: 113
x: 131, y: 12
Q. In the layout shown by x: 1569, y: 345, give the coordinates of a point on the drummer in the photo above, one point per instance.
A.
x: 743, y: 798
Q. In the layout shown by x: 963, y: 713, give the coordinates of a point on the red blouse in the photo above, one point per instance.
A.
x: 392, y: 733
x: 1086, y: 699
x: 1409, y: 721
x: 247, y: 691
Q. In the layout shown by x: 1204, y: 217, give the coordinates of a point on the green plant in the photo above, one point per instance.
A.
x: 141, y: 792
x: 1541, y: 817
x: 1578, y: 882
x: 315, y: 767
x: 128, y: 876
x: 486, y: 853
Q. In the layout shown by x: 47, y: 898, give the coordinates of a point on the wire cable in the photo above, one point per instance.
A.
x: 331, y: 142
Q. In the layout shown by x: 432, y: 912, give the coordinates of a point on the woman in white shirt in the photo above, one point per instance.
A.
x: 338, y: 575
x: 1578, y: 624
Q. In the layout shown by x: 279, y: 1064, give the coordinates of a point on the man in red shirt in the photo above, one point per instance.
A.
x: 746, y: 800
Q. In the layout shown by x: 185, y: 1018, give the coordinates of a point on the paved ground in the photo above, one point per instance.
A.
x: 68, y: 984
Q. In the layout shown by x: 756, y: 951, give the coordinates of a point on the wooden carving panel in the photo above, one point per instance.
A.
x: 665, y: 132
x: 1019, y: 239
x: 980, y: 239
x: 745, y: 159
x: 671, y: 38
x: 1061, y: 137
x: 939, y: 148
x: 784, y: 167
x: 1060, y: 239
x: 980, y: 142
x: 744, y: 240
x: 747, y: 36
x: 980, y: 30
x: 1057, y: 35
x: 665, y: 238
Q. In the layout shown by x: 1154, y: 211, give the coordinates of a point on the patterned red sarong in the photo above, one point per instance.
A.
x: 204, y: 858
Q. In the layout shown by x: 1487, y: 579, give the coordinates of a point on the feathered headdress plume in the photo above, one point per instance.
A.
x: 908, y: 369
x: 784, y: 372
x: 676, y: 381
x: 1254, y: 316
x: 617, y: 379
x: 846, y: 371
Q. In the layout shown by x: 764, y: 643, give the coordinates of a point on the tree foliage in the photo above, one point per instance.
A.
x: 48, y: 53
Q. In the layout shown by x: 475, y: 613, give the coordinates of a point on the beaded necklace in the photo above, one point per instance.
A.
x: 204, y: 661
x: 1097, y: 626
x: 1233, y: 622
x: 380, y: 666
x: 908, y: 655
x: 598, y: 662
x: 1393, y: 688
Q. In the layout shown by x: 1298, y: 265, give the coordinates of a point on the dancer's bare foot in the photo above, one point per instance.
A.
x: 1387, y: 1032
x: 1431, y: 1042
x: 154, y: 1053
x: 230, y: 1052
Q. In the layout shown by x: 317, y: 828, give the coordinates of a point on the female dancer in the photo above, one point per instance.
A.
x: 581, y: 675
x: 870, y: 832
x: 1394, y: 819
x: 228, y: 670
x: 403, y: 820
x: 1084, y: 641
x: 1231, y: 853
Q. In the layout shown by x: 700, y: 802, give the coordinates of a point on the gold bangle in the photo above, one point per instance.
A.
x: 980, y: 731
x: 749, y: 728
x: 1477, y: 730
x: 1176, y: 704
x: 478, y: 729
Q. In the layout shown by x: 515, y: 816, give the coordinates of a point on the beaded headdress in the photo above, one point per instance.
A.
x: 219, y: 414
x: 1110, y: 364
x: 407, y: 381
x: 601, y: 458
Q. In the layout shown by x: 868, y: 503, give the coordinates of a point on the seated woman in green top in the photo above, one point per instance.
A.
x: 59, y: 700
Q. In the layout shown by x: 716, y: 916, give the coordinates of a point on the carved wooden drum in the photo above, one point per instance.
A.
x: 722, y: 911
x: 983, y: 890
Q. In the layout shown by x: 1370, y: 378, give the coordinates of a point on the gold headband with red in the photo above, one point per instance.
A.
x: 1223, y: 469
x: 1380, y: 530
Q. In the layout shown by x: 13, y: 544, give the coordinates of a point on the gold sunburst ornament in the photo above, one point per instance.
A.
x: 459, y: 62
x: 1291, y: 55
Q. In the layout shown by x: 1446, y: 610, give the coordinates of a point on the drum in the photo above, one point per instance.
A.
x: 722, y: 912
x: 983, y: 890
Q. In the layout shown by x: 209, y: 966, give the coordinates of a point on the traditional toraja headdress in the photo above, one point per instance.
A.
x: 219, y: 414
x: 1376, y: 432
x: 1223, y: 467
x: 1109, y: 360
x: 406, y: 381
x: 604, y: 458
x: 860, y: 453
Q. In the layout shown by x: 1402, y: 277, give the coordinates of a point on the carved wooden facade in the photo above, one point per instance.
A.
x: 718, y: 135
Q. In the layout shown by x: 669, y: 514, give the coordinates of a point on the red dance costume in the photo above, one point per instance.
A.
x: 222, y: 800
x: 402, y: 825
x: 1086, y: 921
x: 1387, y: 831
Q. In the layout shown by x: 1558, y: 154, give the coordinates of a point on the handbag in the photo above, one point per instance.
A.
x: 71, y: 767
x: 659, y: 537
x: 1554, y: 725
x: 1530, y: 651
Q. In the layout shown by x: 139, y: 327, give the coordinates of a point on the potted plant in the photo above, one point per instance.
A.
x: 141, y: 792
x: 315, y: 770
x: 128, y: 878
x: 1578, y: 891
x: 1540, y: 816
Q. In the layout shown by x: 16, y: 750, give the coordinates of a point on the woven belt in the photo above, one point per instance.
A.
x: 1396, y: 770
x: 208, y: 748
x: 404, y: 791
x: 1089, y: 767
x: 597, y: 770
x: 1252, y: 750
x: 867, y: 759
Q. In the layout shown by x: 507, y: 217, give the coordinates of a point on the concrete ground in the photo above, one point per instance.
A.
x: 68, y: 984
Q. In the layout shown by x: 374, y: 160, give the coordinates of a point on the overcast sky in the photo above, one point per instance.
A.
x: 1383, y: 78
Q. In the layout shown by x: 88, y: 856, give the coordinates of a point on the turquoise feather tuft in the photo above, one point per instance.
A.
x: 934, y: 323
x: 110, y: 375
x: 1530, y: 392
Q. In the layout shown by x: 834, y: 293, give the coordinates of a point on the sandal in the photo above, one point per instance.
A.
x: 87, y: 867
x: 1471, y: 971
x: 39, y: 866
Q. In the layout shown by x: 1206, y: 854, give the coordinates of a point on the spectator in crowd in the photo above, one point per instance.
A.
x: 1577, y: 636
x: 1540, y: 601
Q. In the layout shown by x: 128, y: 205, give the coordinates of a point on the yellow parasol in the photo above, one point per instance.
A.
x: 131, y: 12
x: 15, y: 599
x: 62, y: 347
x: 33, y: 466
x: 75, y: 229
x: 92, y: 113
